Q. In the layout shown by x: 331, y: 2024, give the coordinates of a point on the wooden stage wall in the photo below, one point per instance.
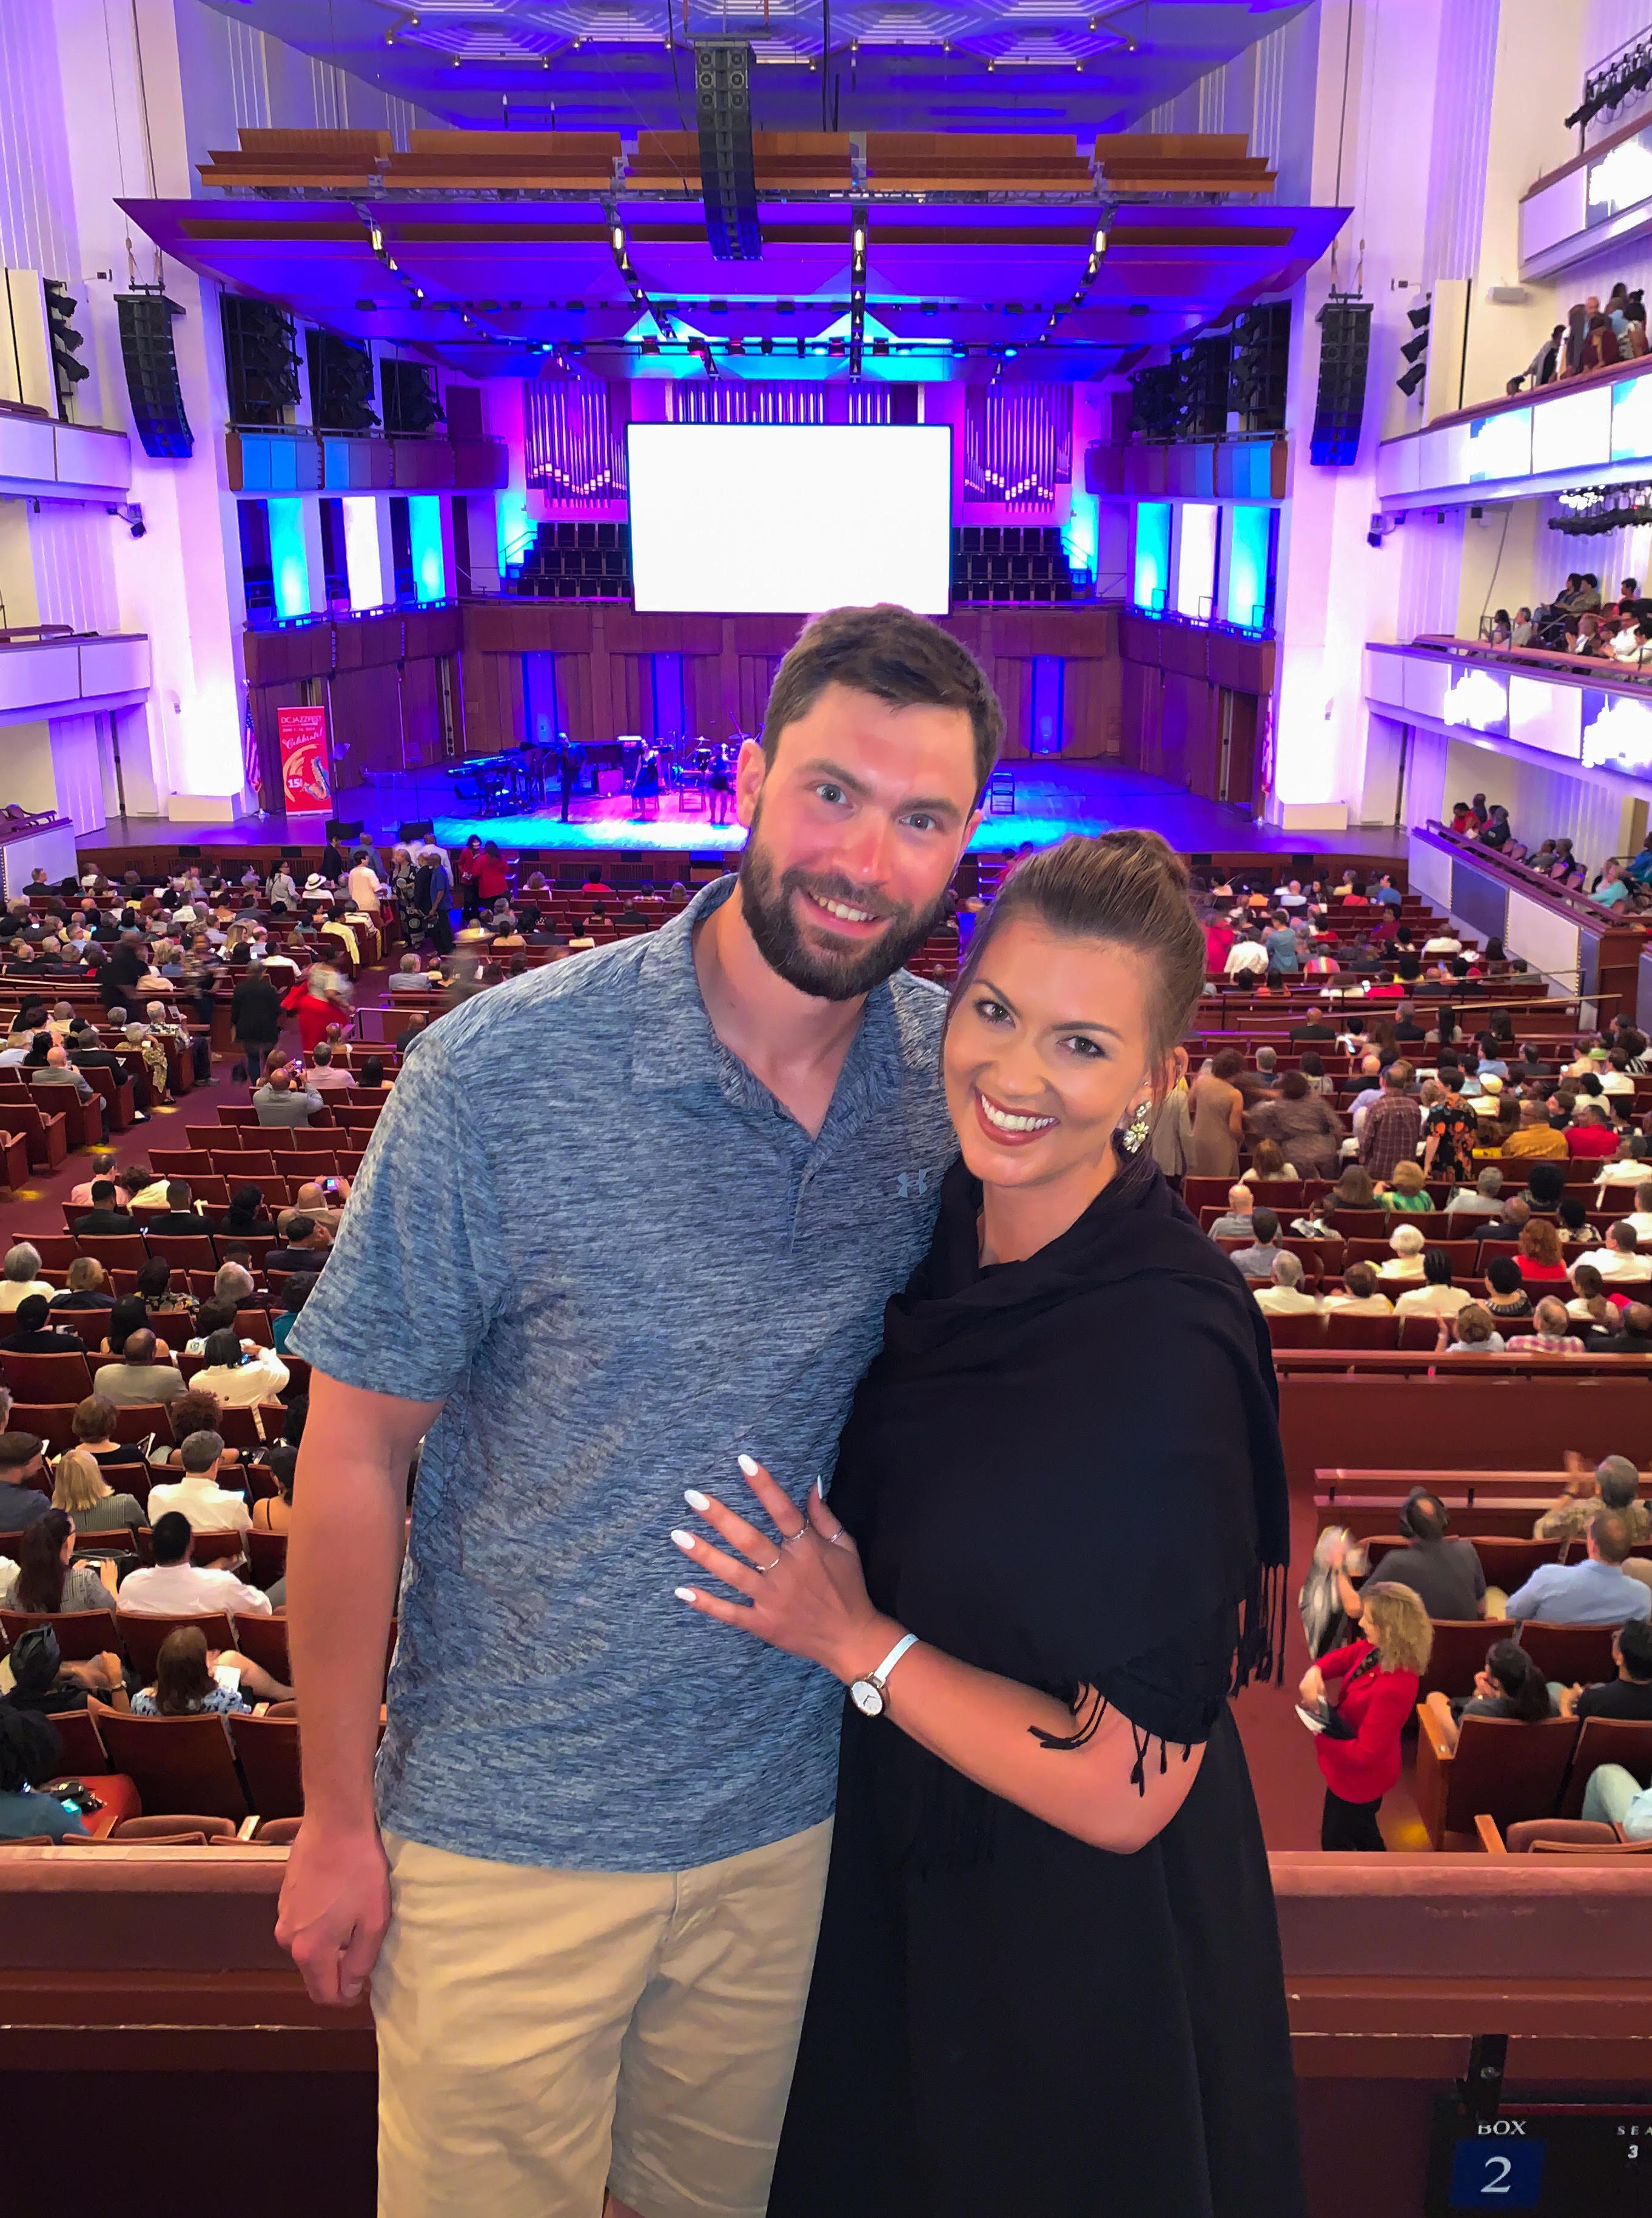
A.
x: 413, y: 691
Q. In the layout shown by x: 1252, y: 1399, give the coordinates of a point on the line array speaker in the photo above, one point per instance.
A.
x: 1345, y: 347
x: 151, y: 370
x: 722, y: 85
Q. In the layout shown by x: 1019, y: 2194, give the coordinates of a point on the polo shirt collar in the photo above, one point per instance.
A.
x: 675, y: 1046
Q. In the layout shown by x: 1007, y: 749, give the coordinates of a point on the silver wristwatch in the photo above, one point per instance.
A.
x: 867, y: 1694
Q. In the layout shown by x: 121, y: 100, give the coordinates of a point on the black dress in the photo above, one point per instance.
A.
x: 1065, y: 1471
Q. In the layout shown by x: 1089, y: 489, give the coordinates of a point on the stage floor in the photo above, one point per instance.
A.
x: 1051, y: 801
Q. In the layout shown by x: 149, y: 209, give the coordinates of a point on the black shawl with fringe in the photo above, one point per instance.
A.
x: 1067, y: 1470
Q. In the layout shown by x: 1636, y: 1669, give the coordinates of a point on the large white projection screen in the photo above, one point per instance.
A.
x: 788, y: 519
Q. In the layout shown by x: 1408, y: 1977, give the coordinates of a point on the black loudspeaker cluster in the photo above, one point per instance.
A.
x: 341, y: 382
x: 259, y: 365
x: 145, y: 318
x: 1259, y: 368
x: 66, y: 342
x: 1345, y: 349
x: 722, y: 87
x: 407, y: 395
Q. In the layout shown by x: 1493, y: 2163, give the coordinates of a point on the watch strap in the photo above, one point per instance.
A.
x: 879, y: 1678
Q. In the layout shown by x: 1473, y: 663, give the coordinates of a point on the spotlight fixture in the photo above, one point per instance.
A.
x: 376, y: 239
x: 1413, y: 378
x: 1414, y: 349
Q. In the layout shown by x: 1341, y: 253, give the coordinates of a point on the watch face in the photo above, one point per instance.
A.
x: 866, y: 1697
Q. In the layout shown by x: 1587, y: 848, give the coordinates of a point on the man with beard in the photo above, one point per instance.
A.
x: 604, y: 1830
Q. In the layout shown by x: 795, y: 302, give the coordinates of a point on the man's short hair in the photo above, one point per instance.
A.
x: 1619, y: 1480
x: 201, y: 1451
x: 300, y: 1227
x: 1490, y: 1182
x: 1264, y: 1222
x: 102, y: 1194
x: 1550, y: 1315
x: 140, y: 1346
x: 1287, y: 1270
x: 234, y: 1283
x: 19, y: 1450
x: 1360, y: 1280
x: 178, y: 1195
x: 1624, y: 1236
x: 322, y: 1055
x: 1609, y: 1530
x: 897, y: 658
x: 1424, y: 1517
x: 170, y: 1538
x: 1634, y: 1647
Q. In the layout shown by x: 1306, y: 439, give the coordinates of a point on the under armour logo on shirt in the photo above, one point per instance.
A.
x: 909, y: 1183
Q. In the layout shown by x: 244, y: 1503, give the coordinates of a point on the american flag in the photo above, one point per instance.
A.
x: 252, y: 759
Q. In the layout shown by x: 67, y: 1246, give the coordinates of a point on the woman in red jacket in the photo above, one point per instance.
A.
x: 1371, y: 1687
x: 317, y: 1001
x: 468, y: 870
x: 493, y: 875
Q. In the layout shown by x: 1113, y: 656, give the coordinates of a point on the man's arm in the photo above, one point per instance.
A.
x: 344, y: 1560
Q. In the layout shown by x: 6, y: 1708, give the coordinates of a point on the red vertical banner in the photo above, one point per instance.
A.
x: 306, y: 786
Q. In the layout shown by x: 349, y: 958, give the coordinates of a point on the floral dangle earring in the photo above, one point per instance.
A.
x: 1135, y: 1131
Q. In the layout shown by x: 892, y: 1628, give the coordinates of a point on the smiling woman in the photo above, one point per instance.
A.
x: 1048, y: 1976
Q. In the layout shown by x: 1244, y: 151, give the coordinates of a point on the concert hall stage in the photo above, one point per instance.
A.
x: 1050, y: 800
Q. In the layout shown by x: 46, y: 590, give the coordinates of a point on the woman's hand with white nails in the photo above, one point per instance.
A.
x: 805, y: 1594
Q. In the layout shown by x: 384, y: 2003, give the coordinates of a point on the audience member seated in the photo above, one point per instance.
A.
x: 1284, y: 1295
x: 279, y: 1101
x: 1361, y: 1294
x: 238, y: 1379
x: 197, y: 1495
x: 173, y: 1586
x: 1354, y: 1190
x: 1621, y: 1261
x: 1446, y: 1573
x: 1267, y: 1161
x: 294, y: 1295
x: 1508, y: 1685
x: 1628, y: 1698
x: 245, y: 1219
x: 1597, y: 1591
x: 1473, y: 1331
x: 88, y: 1286
x: 1614, y: 1483
x: 78, y: 1486
x: 325, y: 1074
x: 274, y: 1513
x: 129, y: 1316
x: 1482, y: 1199
x: 214, y: 1316
x: 1534, y: 1136
x: 1405, y: 1264
x: 104, y: 1216
x: 138, y: 1377
x: 192, y: 1680
x: 1406, y: 1191
x: 1551, y: 1333
x: 47, y: 1580
x: 1255, y: 1261
x: 1615, y: 1797
x: 1508, y: 1303
x: 35, y: 1334
x: 1590, y: 1305
x: 408, y: 978
x: 1540, y: 1259
x: 1590, y: 1133
x: 1437, y: 1296
x: 303, y: 1244
x: 29, y: 1755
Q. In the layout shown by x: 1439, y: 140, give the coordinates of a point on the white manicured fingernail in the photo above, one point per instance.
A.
x: 695, y: 1499
x: 820, y: 1487
x: 685, y: 1541
x: 685, y: 1594
x: 748, y: 1465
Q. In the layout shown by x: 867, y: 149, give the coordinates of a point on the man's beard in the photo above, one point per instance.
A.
x: 767, y: 903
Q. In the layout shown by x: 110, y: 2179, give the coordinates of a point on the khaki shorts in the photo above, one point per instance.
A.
x: 544, y: 2034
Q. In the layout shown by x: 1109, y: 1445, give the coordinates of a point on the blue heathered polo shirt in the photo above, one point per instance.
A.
x: 588, y: 1229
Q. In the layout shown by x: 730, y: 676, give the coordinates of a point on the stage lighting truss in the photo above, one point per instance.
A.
x: 1621, y: 76
x: 1591, y: 510
x: 1105, y: 210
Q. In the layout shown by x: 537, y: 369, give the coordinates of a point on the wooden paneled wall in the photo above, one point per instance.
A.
x: 382, y: 675
x: 1178, y: 683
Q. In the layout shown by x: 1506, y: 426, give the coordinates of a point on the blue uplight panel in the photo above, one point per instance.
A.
x: 424, y: 533
x: 1248, y: 596
x: 1150, y: 587
x: 289, y: 566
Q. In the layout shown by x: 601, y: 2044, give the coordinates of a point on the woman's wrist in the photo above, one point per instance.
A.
x: 863, y: 1647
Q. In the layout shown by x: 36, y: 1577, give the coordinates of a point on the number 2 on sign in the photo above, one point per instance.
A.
x: 1496, y: 2182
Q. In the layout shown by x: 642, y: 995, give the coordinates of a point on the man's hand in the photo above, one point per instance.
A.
x: 335, y: 1908
x: 1568, y: 1701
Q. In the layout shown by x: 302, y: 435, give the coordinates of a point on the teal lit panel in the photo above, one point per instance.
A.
x: 288, y: 565
x: 1150, y: 585
x: 424, y: 532
x: 1247, y: 587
